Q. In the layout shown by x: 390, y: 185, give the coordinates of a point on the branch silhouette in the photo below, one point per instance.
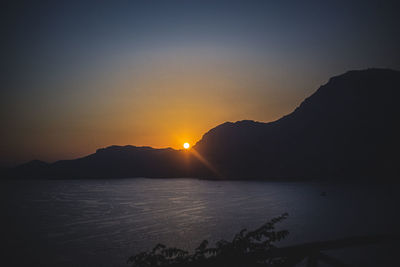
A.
x: 247, y: 248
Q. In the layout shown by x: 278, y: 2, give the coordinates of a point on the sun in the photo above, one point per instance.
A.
x: 186, y: 145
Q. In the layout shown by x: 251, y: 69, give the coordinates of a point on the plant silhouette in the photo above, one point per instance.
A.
x: 248, y: 248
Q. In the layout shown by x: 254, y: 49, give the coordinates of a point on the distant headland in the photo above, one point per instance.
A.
x: 348, y: 129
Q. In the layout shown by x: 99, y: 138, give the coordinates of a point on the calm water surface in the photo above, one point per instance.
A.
x: 103, y: 222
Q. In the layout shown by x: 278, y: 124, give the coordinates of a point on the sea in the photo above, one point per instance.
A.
x: 103, y: 222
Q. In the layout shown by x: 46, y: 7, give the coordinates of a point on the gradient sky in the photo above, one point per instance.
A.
x: 77, y: 76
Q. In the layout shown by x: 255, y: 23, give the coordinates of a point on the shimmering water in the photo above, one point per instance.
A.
x: 103, y: 222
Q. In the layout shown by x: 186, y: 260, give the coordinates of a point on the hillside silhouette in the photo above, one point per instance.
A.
x: 347, y: 129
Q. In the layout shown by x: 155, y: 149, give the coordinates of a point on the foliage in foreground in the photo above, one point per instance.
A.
x: 248, y: 248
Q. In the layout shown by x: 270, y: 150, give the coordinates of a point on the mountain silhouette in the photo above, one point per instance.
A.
x: 347, y: 129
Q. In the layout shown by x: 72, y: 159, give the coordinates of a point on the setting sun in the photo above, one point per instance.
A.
x: 186, y: 145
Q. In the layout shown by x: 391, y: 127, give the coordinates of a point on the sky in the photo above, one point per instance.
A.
x: 79, y: 75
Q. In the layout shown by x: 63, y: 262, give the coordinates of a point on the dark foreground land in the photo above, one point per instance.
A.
x: 257, y: 248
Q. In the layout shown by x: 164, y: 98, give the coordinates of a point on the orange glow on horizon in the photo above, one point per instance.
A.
x: 154, y: 105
